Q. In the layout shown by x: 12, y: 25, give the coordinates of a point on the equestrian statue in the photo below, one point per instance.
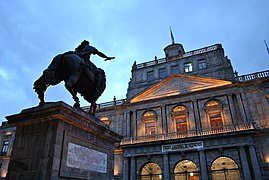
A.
x: 79, y: 74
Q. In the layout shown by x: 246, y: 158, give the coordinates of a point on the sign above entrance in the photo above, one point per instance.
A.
x: 183, y: 146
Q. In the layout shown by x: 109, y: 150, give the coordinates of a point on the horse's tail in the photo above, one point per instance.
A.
x: 48, y: 77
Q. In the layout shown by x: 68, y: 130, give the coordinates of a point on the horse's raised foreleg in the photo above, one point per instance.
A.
x: 69, y: 86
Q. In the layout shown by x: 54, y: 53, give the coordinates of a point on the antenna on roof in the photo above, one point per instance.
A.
x: 172, y: 37
x: 266, y: 47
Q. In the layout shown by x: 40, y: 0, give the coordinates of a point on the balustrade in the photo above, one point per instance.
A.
x: 189, y: 133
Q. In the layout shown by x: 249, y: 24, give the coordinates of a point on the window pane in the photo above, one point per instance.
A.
x: 215, y: 120
x: 162, y: 73
x: 179, y: 108
x: 105, y: 120
x: 188, y: 67
x: 225, y: 168
x: 149, y: 128
x: 201, y: 64
x: 5, y: 146
x: 151, y: 169
x: 213, y: 104
x: 215, y: 115
x: 185, y: 166
x: 175, y: 69
x: 150, y: 124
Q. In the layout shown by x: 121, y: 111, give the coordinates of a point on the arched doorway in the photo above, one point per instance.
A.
x: 186, y: 170
x: 225, y: 168
x: 151, y: 171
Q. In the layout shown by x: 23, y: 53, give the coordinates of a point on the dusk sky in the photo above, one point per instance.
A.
x: 32, y: 32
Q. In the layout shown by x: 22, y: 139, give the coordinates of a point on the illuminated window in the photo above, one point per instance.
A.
x: 214, y: 112
x: 174, y: 69
x: 188, y: 67
x: 150, y: 75
x: 150, y: 123
x: 225, y: 168
x: 162, y: 73
x: 179, y: 116
x: 186, y: 170
x: 5, y: 147
x: 201, y: 64
x: 151, y: 171
x: 106, y: 120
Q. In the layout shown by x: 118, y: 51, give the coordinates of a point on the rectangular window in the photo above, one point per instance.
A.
x: 181, y: 124
x: 201, y: 64
x: 175, y: 69
x: 162, y: 73
x: 150, y: 76
x: 188, y: 67
x: 215, y: 120
x: 5, y: 147
x: 149, y: 128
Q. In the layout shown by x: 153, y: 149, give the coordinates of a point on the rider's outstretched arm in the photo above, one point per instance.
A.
x: 104, y: 56
x: 101, y: 54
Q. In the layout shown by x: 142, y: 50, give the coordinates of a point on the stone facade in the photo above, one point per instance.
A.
x: 7, y: 135
x: 209, y: 62
x: 199, y: 121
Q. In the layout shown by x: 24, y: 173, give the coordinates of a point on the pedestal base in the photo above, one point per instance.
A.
x: 56, y: 141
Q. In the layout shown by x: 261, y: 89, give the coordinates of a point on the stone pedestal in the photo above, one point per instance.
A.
x: 56, y: 141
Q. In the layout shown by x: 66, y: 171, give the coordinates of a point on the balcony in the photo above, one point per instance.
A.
x: 189, y: 133
x: 106, y: 104
x: 187, y: 54
x: 253, y: 76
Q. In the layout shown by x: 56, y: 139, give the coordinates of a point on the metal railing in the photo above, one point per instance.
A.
x: 186, y: 134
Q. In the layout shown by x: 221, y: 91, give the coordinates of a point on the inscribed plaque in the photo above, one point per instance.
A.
x: 84, y: 158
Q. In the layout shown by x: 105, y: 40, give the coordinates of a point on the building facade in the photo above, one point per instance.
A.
x: 189, y: 116
x: 7, y: 135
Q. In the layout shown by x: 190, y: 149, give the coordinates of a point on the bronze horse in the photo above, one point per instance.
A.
x: 78, y: 78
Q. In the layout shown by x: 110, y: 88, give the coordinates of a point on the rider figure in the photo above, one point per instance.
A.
x: 84, y: 50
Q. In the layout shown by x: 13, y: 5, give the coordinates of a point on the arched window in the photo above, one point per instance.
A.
x: 151, y: 171
x: 186, y: 170
x: 179, y: 116
x: 149, y: 119
x: 225, y: 168
x: 105, y: 120
x: 214, y: 112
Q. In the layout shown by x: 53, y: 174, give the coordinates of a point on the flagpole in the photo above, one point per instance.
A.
x: 266, y: 47
x: 172, y: 37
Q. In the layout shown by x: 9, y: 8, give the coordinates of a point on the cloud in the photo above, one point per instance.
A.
x: 32, y: 32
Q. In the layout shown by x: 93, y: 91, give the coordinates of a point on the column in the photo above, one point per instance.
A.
x: 166, y: 169
x: 254, y: 162
x: 133, y: 169
x: 164, y: 128
x: 203, y: 166
x: 244, y: 163
x: 196, y: 115
x: 128, y: 123
x: 134, y: 124
x: 241, y: 108
x: 235, y: 119
x: 126, y: 167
